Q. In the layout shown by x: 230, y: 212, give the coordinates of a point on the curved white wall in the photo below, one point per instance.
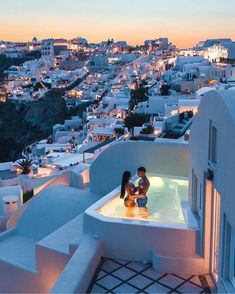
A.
x: 219, y: 107
x: 213, y: 107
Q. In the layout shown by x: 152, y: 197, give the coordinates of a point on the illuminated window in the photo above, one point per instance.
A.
x: 228, y: 252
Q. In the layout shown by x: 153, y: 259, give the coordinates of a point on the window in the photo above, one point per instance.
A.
x: 215, y: 236
x: 213, y: 144
x: 228, y: 253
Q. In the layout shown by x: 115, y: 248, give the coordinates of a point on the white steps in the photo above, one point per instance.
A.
x: 194, y: 264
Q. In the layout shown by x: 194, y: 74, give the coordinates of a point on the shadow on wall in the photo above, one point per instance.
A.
x: 165, y: 157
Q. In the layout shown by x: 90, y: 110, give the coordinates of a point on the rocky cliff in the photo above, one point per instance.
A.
x: 48, y: 111
x: 22, y: 125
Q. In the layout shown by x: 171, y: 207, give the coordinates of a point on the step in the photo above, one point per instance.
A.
x: 176, y: 264
x: 70, y: 234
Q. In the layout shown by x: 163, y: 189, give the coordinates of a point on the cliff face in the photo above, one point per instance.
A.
x: 23, y: 125
x: 48, y: 111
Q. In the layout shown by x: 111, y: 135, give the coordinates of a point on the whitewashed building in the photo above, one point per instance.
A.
x: 212, y: 163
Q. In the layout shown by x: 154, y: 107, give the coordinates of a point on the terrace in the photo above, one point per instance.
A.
x: 81, y: 228
x: 122, y: 253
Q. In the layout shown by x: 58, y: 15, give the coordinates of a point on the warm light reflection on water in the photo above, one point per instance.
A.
x: 164, y: 202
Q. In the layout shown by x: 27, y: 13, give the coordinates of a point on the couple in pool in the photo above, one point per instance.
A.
x: 135, y: 196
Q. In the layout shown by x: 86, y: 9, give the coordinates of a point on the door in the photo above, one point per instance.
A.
x: 215, y: 230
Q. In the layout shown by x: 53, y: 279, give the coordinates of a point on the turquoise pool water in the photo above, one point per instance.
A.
x: 164, y: 202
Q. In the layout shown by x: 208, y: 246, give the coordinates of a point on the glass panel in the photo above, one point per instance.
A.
x: 215, y: 236
x: 226, y: 249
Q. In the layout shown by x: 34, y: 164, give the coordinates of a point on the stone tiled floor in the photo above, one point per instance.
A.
x: 119, y: 276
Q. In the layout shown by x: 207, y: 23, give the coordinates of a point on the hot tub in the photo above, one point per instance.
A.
x: 169, y: 229
x: 164, y: 202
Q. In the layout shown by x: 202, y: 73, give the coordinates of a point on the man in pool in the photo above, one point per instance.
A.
x: 143, y: 187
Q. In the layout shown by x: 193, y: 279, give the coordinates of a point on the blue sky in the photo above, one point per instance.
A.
x: 183, y: 21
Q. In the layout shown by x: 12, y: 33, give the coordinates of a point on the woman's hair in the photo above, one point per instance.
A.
x: 125, y: 178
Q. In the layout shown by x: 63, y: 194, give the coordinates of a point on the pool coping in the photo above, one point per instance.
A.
x: 92, y: 211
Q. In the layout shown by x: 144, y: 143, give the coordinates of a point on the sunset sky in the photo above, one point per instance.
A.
x: 185, y: 22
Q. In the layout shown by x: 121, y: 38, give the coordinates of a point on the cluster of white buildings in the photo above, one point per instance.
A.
x: 191, y: 73
x: 18, y: 49
x: 55, y: 241
x: 216, y: 49
x: 76, y: 213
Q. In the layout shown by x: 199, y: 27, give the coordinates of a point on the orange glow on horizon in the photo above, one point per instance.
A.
x: 186, y: 41
x: 184, y: 22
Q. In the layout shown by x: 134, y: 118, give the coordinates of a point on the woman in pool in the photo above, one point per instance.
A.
x: 129, y: 188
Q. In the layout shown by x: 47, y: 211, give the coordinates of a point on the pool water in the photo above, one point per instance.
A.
x: 164, y: 202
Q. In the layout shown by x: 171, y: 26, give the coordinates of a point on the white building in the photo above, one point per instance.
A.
x: 212, y: 190
x: 215, y: 53
x: 183, y: 60
x: 82, y: 41
x: 47, y: 48
x: 214, y: 49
